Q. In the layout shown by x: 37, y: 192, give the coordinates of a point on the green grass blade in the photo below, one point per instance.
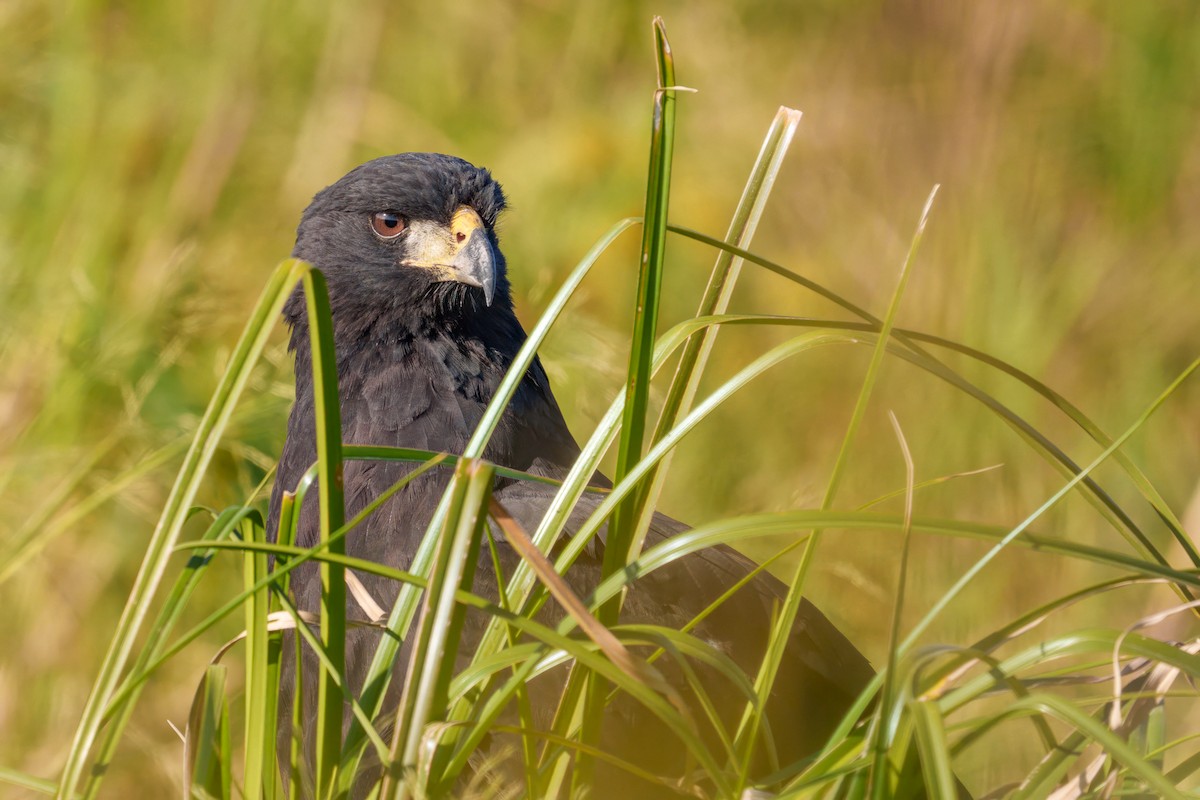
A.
x: 358, y: 452
x: 521, y: 584
x: 1097, y: 732
x: 575, y: 483
x: 224, y: 524
x: 1186, y: 768
x: 415, y: 700
x: 717, y: 294
x: 279, y: 574
x: 597, y: 753
x: 298, y: 623
x: 764, y: 362
x: 27, y: 782
x: 791, y: 521
x: 641, y: 354
x: 934, y: 749
x: 645, y: 320
x: 1086, y: 641
x: 208, y: 754
x: 584, y: 652
x: 1114, y: 512
x: 158, y: 551
x: 681, y: 332
x: 879, y: 731
x: 1135, y: 473
x: 738, y: 529
x: 259, y: 742
x: 976, y: 568
x: 555, y: 639
x: 327, y: 413
x: 1097, y: 497
x: 1155, y: 735
x: 41, y: 529
x: 527, y: 353
x: 747, y: 729
x: 445, y: 616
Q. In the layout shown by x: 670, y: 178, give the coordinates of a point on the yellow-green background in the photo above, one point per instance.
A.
x: 155, y: 156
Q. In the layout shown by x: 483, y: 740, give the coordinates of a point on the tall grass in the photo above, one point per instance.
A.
x: 1103, y: 701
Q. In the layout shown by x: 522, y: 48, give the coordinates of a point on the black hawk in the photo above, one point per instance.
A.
x: 425, y: 330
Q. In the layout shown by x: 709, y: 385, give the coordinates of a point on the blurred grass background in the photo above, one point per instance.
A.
x: 155, y: 157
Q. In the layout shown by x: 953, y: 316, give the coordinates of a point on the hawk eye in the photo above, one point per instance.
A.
x: 387, y: 224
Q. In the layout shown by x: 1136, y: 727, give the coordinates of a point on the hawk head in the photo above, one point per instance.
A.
x: 414, y: 233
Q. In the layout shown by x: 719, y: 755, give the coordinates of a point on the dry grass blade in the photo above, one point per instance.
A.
x: 1153, y: 690
x: 1114, y: 717
x: 365, y: 601
x: 926, y: 483
x: 612, y: 647
x: 885, y: 732
x: 1079, y: 785
x: 276, y: 621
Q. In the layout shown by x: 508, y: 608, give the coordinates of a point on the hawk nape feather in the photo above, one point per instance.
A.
x: 425, y: 330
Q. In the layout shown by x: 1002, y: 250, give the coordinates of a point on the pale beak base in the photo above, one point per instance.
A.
x: 461, y: 252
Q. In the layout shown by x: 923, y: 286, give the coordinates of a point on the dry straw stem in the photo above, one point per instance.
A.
x: 617, y: 652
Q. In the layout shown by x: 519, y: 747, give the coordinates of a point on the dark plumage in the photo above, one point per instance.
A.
x: 420, y: 353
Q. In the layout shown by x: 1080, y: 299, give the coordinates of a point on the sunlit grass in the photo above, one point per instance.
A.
x: 134, y: 239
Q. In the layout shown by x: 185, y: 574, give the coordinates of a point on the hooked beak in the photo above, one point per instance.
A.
x: 461, y: 252
x: 475, y: 264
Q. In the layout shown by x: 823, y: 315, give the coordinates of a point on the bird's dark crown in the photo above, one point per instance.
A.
x: 418, y: 185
